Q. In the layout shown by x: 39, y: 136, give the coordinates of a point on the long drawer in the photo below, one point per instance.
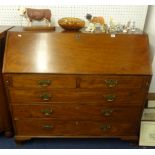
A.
x: 77, y: 111
x: 49, y: 127
x: 74, y: 111
x: 106, y: 96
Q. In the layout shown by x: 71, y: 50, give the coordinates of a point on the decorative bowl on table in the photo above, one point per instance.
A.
x: 70, y: 23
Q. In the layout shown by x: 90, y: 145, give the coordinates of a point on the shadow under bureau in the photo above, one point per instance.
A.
x: 74, y: 84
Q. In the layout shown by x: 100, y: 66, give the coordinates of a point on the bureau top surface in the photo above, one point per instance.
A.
x: 59, y: 52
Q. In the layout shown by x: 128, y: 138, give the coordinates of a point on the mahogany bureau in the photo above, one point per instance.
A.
x: 5, y: 118
x: 75, y: 84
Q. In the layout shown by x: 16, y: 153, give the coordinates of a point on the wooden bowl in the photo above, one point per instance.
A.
x: 70, y: 23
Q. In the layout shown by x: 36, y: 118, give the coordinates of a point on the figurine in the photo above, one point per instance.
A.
x: 36, y: 14
x: 104, y: 28
x: 112, y: 26
x: 88, y: 17
x: 90, y: 28
x: 133, y: 26
x: 95, y: 23
x: 128, y: 25
x: 98, y: 19
x: 126, y: 28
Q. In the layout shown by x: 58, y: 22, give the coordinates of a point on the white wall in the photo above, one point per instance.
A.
x: 150, y: 29
x: 9, y: 15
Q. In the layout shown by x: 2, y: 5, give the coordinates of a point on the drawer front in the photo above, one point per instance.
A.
x: 43, y: 81
x: 109, y: 97
x: 75, y: 111
x: 127, y: 82
x: 49, y: 127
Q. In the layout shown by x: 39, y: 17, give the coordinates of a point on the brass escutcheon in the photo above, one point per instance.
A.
x: 107, y: 112
x: 77, y: 36
x: 105, y: 127
x: 111, y: 83
x: 110, y: 97
x: 47, y: 127
x: 44, y: 83
x: 45, y: 96
x: 47, y: 112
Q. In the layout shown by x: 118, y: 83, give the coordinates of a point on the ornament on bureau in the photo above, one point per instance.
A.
x: 37, y: 19
x: 71, y: 23
x: 95, y: 24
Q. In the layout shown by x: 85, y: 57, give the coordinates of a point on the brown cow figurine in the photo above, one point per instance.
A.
x: 36, y: 14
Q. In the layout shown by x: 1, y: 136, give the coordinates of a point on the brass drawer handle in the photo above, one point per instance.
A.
x: 110, y: 97
x: 7, y: 82
x: 47, y: 127
x: 44, y: 83
x: 105, y: 127
x: 45, y: 96
x: 107, y: 112
x: 47, y: 112
x: 111, y: 83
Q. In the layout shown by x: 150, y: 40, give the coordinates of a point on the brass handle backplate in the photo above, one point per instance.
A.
x: 107, y: 112
x: 47, y: 127
x: 110, y: 97
x: 7, y: 83
x: 45, y: 96
x: 105, y: 127
x: 44, y: 83
x: 111, y: 83
x: 47, y: 112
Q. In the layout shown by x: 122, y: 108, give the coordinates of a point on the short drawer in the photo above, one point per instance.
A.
x: 50, y: 127
x: 80, y: 111
x: 127, y: 82
x: 106, y: 96
x: 43, y: 81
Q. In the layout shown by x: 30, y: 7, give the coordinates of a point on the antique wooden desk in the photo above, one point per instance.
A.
x: 73, y: 84
x: 5, y: 119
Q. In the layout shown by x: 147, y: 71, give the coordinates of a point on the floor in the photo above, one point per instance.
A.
x: 9, y: 143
